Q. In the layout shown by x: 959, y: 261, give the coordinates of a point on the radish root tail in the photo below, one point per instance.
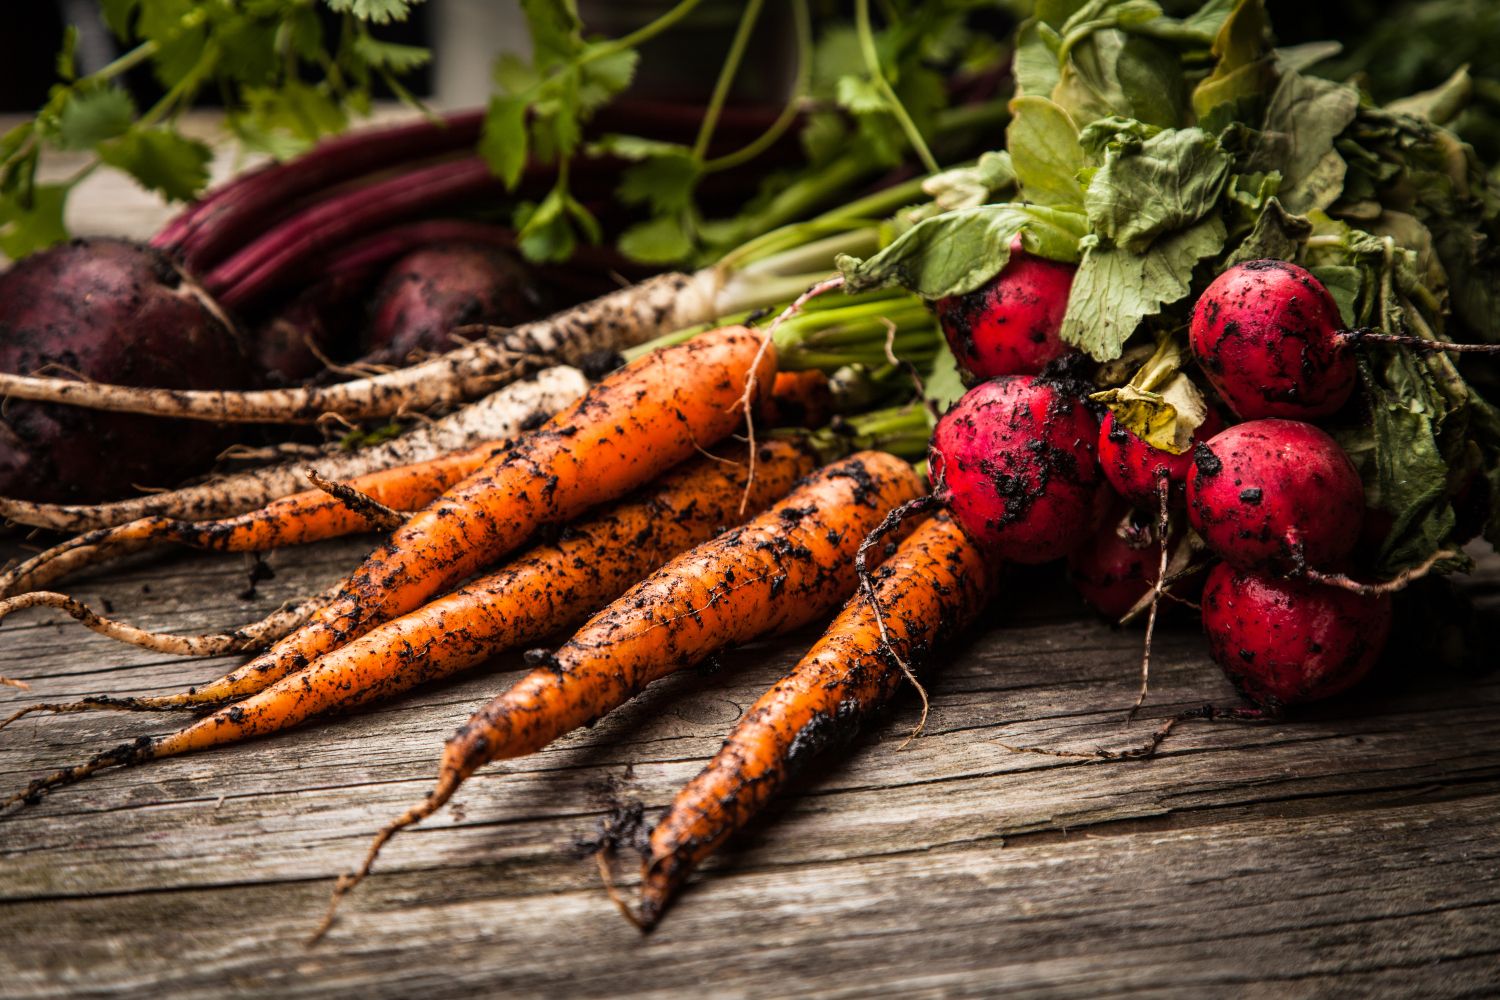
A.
x: 1162, y: 523
x: 1395, y: 583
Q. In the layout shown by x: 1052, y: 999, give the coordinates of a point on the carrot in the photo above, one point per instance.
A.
x: 627, y: 430
x: 785, y: 568
x: 935, y: 584
x: 502, y: 414
x: 309, y: 516
x: 549, y: 588
x: 798, y: 399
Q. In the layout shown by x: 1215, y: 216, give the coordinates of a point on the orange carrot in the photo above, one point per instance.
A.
x: 549, y: 588
x: 787, y: 567
x: 309, y: 516
x: 627, y: 430
x: 935, y: 584
x: 798, y: 399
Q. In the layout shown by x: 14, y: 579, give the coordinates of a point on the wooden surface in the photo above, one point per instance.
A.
x: 1353, y: 851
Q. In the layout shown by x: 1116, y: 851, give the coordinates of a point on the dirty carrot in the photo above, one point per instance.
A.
x: 783, y: 569
x: 935, y: 584
x: 309, y: 516
x: 626, y: 431
x: 550, y: 588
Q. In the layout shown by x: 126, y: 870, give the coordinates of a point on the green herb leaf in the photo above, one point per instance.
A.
x: 503, y: 141
x: 161, y: 160
x: 92, y: 116
x: 1115, y: 289
x: 662, y: 240
x: 1277, y: 235
x: 390, y: 55
x: 375, y: 11
x: 957, y: 252
x: 664, y: 182
x: 27, y: 228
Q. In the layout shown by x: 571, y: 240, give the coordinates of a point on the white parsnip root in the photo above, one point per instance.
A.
x: 500, y: 415
x: 610, y: 323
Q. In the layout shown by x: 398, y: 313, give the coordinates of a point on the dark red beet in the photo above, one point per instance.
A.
x: 322, y: 320
x: 1015, y: 460
x: 430, y: 291
x: 1275, y: 494
x: 1134, y: 468
x: 1283, y: 642
x: 1011, y: 325
x: 116, y: 312
x: 1267, y: 334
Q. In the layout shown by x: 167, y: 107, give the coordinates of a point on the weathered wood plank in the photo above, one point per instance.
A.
x: 1350, y: 851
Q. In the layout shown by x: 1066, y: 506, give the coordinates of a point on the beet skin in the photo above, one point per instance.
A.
x: 1283, y: 642
x: 115, y: 312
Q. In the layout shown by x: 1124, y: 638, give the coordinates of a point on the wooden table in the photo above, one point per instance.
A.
x: 1352, y: 851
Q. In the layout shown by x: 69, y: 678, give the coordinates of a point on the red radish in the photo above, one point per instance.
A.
x: 1136, y: 469
x: 1116, y: 567
x: 1275, y: 494
x: 1012, y: 325
x: 107, y: 310
x: 1283, y: 642
x: 1267, y: 335
x: 1014, y: 461
x: 428, y: 292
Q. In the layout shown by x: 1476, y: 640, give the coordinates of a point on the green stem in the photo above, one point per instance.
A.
x: 727, y: 74
x: 803, y: 21
x: 877, y: 76
x: 639, y: 36
x: 124, y: 64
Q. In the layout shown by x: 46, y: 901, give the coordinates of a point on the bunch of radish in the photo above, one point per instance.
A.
x: 1027, y: 466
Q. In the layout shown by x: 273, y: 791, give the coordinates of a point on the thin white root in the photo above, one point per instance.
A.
x: 1395, y: 583
x: 500, y: 415
x: 611, y: 322
x: 256, y: 635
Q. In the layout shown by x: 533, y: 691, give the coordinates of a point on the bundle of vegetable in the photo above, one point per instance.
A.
x: 785, y: 568
x: 1174, y: 162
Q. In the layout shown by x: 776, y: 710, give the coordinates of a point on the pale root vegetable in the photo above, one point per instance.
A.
x: 1013, y: 324
x: 1014, y: 461
x: 502, y: 415
x: 1275, y: 495
x: 1285, y: 642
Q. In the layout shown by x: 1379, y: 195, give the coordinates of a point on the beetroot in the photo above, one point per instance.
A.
x: 1012, y: 325
x: 1283, y: 642
x: 430, y: 291
x: 1268, y: 336
x: 1135, y: 469
x: 1014, y: 461
x: 116, y: 312
x: 1275, y: 494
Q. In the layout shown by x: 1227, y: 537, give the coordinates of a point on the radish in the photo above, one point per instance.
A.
x: 1137, y: 470
x: 1014, y: 461
x: 1270, y: 339
x: 1117, y: 566
x: 1013, y: 324
x: 1283, y: 642
x: 1275, y: 494
x: 106, y: 309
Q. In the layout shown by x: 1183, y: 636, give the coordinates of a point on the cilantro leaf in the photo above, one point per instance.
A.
x: 161, y: 160
x: 503, y: 143
x: 375, y: 11
x: 89, y: 117
x: 27, y: 228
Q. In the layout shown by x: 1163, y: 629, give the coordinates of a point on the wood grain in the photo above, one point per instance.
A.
x: 1350, y: 851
